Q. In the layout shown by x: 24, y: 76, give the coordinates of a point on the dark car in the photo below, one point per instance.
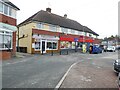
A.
x: 119, y: 80
x: 117, y: 65
x: 117, y: 70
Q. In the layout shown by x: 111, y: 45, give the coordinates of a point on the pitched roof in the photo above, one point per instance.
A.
x: 11, y: 4
x: 86, y: 29
x: 47, y: 17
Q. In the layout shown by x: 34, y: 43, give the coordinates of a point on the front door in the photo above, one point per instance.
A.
x: 43, y: 46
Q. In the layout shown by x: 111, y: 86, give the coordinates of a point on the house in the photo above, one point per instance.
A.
x: 45, y: 31
x: 7, y: 29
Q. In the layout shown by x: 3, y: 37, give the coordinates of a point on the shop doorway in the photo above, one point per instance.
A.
x: 43, y: 49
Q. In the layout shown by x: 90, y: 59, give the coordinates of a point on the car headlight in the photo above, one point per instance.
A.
x: 117, y: 63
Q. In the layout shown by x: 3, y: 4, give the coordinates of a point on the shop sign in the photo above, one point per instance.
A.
x: 45, y: 37
x: 76, y: 39
x: 8, y: 27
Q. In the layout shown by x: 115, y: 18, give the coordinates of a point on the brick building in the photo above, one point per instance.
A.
x: 7, y: 29
x: 45, y: 31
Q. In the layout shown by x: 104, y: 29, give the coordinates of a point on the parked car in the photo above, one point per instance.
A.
x: 95, y: 49
x: 116, y: 65
x: 111, y: 48
x: 118, y: 80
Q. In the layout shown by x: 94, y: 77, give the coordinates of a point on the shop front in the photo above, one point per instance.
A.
x: 44, y: 43
x: 74, y: 42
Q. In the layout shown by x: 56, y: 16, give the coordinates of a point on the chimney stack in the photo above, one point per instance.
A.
x: 65, y: 16
x: 48, y: 10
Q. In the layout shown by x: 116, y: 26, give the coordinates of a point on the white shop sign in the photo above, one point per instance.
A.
x: 45, y: 37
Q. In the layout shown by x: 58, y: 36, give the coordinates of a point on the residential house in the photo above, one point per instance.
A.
x: 7, y: 29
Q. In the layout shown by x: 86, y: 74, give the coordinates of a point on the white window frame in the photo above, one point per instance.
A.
x: 7, y: 35
x: 8, y: 10
x: 40, y: 45
x: 2, y: 7
x: 51, y: 28
x: 52, y: 44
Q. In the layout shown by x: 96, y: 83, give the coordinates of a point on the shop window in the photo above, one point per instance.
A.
x: 1, y: 7
x: 73, y: 45
x: 65, y: 45
x: 54, y: 45
x: 51, y: 45
x: 37, y: 45
x: 79, y: 45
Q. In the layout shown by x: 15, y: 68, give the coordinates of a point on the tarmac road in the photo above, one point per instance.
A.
x: 44, y: 71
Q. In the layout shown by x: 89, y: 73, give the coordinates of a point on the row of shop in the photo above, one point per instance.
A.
x: 46, y: 43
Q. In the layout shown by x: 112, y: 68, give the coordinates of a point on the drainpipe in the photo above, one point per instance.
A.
x: 18, y: 40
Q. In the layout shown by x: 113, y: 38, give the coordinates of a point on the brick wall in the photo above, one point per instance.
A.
x: 7, y: 20
x: 5, y: 55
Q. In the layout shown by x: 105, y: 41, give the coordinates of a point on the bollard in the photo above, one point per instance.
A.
x: 60, y: 52
x: 67, y: 52
x: 42, y: 52
x: 52, y: 53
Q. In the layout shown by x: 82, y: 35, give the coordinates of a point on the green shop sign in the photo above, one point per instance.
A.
x: 8, y: 27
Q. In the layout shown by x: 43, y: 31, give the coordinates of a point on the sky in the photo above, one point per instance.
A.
x: 100, y: 16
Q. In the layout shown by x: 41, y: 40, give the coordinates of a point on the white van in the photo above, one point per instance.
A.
x: 111, y: 48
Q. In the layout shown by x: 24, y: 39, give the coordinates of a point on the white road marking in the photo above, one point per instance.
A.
x: 63, y: 78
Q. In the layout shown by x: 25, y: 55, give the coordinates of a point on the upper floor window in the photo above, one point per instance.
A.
x: 76, y: 32
x: 53, y: 28
x: 12, y: 12
x: 1, y: 7
x: 90, y: 35
x: 40, y: 26
x: 6, y: 9
x: 85, y: 34
x: 9, y: 11
x: 72, y: 31
x: 65, y: 30
x: 80, y: 33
